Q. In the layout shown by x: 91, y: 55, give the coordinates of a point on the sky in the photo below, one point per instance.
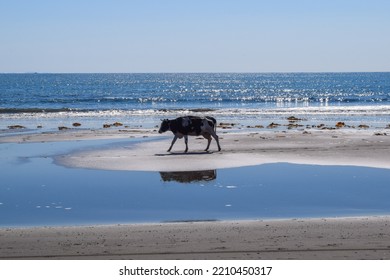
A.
x: 138, y: 36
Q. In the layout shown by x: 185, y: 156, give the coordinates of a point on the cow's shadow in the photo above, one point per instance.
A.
x: 183, y: 153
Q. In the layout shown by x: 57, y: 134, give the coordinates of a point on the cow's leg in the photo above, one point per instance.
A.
x: 215, y: 136
x: 208, y: 137
x: 186, y: 141
x: 173, y: 142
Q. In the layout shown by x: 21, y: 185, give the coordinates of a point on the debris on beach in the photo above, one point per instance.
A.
x: 380, y: 134
x: 17, y: 126
x: 63, y: 128
x: 293, y: 119
x: 226, y: 125
x: 76, y: 124
x: 324, y: 127
x: 340, y: 124
x: 255, y: 126
x: 273, y: 125
x: 294, y: 125
x: 364, y: 126
x: 114, y: 124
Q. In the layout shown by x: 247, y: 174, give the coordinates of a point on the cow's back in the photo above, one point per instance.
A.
x: 189, y: 125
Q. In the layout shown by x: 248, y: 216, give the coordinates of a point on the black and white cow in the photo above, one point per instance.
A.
x: 193, y: 126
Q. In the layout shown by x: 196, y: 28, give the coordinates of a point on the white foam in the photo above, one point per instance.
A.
x: 308, y: 110
x: 378, y: 115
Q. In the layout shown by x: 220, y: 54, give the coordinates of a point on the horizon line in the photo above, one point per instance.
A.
x: 200, y: 72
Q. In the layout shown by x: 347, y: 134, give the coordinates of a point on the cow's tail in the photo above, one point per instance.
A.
x: 214, y: 121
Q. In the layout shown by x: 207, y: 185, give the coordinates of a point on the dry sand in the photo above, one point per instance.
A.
x: 344, y: 238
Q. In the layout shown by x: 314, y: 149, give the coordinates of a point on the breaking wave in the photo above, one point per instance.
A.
x: 14, y: 113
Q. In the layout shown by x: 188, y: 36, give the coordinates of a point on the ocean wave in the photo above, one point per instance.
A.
x: 38, y: 110
x: 16, y: 113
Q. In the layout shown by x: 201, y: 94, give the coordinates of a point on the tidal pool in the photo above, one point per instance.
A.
x: 36, y: 192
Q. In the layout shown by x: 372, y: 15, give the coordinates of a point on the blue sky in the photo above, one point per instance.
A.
x: 194, y: 35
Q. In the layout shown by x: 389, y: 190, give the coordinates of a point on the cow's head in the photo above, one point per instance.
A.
x: 164, y: 126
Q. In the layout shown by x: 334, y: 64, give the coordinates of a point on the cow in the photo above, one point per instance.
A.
x: 193, y: 126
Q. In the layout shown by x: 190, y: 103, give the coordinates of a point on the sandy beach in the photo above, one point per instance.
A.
x: 324, y: 239
x: 319, y: 238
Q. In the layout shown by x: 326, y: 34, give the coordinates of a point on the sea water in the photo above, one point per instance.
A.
x: 51, y: 100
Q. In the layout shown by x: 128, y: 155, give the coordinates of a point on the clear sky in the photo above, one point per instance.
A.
x: 194, y: 35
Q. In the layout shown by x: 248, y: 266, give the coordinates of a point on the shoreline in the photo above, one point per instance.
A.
x: 314, y: 238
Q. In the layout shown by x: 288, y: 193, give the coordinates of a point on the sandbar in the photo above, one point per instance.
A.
x: 337, y: 147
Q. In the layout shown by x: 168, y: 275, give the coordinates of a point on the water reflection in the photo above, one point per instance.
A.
x: 189, y: 176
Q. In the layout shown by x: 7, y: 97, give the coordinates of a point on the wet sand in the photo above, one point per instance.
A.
x: 324, y: 239
x: 343, y: 238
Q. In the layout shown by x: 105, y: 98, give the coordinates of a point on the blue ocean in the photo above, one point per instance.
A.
x: 47, y: 100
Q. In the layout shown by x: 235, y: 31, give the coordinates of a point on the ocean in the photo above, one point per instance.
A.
x: 49, y: 100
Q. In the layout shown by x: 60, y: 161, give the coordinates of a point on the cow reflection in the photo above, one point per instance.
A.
x: 189, y: 176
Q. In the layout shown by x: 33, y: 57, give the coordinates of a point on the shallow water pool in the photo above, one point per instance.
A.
x: 35, y: 192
